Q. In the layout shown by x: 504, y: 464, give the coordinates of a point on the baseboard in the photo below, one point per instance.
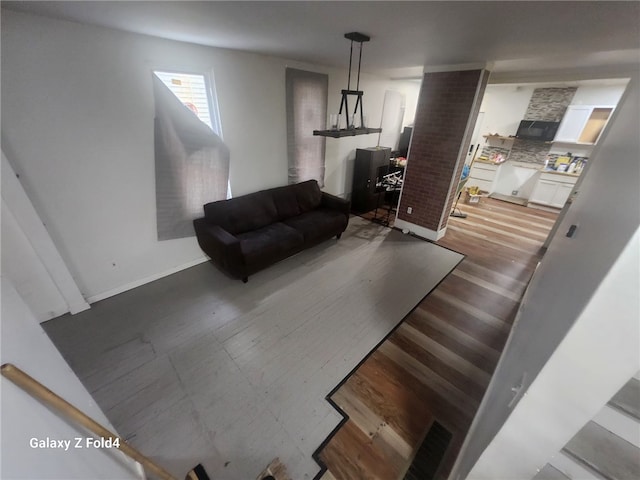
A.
x: 543, y: 207
x: 420, y: 231
x: 55, y: 313
x: 151, y: 278
x: 79, y: 307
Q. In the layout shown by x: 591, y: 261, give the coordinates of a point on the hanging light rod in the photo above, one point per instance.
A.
x: 351, y: 130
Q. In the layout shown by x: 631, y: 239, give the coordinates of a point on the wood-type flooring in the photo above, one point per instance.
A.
x: 437, y: 364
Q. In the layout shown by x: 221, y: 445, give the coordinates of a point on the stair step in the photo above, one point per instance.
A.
x: 620, y: 424
x: 628, y: 398
x: 549, y: 472
x: 573, y: 469
x: 609, y: 455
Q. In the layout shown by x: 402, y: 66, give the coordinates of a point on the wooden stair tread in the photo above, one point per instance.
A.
x: 548, y: 472
x: 605, y: 453
x: 628, y: 398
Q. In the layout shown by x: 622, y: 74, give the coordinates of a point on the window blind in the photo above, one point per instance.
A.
x: 192, y: 164
x: 306, y: 99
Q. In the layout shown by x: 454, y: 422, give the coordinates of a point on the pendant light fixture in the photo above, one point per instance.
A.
x: 350, y: 118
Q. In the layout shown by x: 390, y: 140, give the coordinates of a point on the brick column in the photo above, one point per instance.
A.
x: 447, y: 110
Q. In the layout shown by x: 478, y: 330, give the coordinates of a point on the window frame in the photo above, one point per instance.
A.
x: 210, y: 90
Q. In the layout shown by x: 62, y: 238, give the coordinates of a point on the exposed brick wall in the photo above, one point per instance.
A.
x: 445, y: 105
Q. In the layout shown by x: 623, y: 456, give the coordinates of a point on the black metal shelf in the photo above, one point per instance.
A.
x: 346, y: 132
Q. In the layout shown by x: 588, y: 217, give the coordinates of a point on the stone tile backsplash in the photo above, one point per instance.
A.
x: 549, y: 104
x: 529, y: 151
x: 487, y: 151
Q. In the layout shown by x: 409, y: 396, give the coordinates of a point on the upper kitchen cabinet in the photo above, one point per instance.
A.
x: 583, y: 124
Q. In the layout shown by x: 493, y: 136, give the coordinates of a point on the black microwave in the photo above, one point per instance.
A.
x: 537, y: 130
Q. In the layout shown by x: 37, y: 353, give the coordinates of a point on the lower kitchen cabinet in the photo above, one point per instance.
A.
x: 553, y: 189
x: 483, y: 175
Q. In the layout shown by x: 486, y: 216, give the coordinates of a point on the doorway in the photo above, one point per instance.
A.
x: 539, y: 175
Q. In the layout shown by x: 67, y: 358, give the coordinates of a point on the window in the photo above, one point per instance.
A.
x: 195, y: 92
x: 191, y: 160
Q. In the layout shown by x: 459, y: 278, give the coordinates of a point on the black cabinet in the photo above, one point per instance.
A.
x: 371, y: 164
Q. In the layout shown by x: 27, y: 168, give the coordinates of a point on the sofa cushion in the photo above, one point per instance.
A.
x: 318, y: 224
x: 285, y: 201
x: 308, y: 195
x: 269, y: 243
x: 243, y: 214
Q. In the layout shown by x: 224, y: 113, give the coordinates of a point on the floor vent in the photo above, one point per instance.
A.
x: 430, y: 454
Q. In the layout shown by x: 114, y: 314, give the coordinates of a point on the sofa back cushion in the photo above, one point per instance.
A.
x: 285, y: 201
x: 256, y: 210
x: 308, y: 195
x: 242, y: 214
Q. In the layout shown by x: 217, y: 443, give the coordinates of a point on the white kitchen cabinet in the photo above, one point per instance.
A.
x: 583, y: 124
x: 553, y: 189
x: 483, y: 175
x: 543, y: 192
x: 562, y: 194
x: 574, y: 120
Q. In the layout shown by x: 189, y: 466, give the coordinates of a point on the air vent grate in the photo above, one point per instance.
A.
x: 430, y: 454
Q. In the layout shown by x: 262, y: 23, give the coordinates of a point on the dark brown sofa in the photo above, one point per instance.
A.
x: 248, y: 233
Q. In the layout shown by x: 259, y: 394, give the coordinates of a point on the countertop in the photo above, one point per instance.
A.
x: 488, y: 162
x: 566, y: 174
x: 533, y: 166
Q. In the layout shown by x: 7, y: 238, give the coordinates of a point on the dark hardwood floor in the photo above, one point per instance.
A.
x: 438, y: 362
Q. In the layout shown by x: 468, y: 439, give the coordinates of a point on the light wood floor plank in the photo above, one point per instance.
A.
x: 487, y: 237
x: 427, y: 376
x: 372, y: 424
x: 481, y: 315
x: 517, y: 295
x: 492, y: 275
x: 463, y: 366
x: 420, y: 317
x: 437, y: 364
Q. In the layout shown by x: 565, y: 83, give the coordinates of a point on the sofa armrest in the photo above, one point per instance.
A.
x: 222, y: 247
x: 336, y: 203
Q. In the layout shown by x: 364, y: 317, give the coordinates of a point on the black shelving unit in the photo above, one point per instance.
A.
x: 370, y: 165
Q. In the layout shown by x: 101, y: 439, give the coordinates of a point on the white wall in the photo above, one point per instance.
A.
x: 25, y: 344
x: 22, y: 265
x: 341, y: 153
x: 77, y: 126
x: 504, y: 107
x: 411, y: 90
x: 568, y: 287
x: 598, y: 95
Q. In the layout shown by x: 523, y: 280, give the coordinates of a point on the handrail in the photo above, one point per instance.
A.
x: 39, y: 391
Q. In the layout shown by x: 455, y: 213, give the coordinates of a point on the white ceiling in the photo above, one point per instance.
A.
x: 513, y: 34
